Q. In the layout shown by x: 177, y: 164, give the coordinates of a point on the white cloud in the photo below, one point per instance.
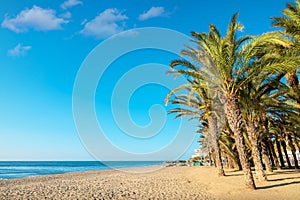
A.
x: 107, y: 23
x: 70, y: 3
x: 152, y: 12
x: 36, y: 18
x: 66, y: 15
x: 19, y: 50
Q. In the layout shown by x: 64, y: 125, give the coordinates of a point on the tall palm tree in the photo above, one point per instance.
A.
x: 290, y: 22
x: 228, y: 145
x: 268, y: 151
x: 260, y: 100
x: 270, y: 144
x: 293, y: 150
x: 289, y: 128
x: 271, y: 99
x: 198, y: 104
x: 233, y: 63
x: 254, y: 104
x: 285, y: 114
x: 284, y: 124
x: 266, y: 155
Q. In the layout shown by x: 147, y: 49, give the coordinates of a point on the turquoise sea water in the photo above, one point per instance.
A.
x: 19, y: 169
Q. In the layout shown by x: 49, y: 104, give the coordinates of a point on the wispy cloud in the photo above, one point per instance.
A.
x: 107, y: 23
x: 35, y: 18
x: 70, y: 3
x: 152, y: 12
x: 19, y: 50
x: 66, y: 15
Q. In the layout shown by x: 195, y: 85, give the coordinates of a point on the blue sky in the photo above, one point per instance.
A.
x: 43, y: 44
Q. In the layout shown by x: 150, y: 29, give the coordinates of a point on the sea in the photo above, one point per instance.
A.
x: 20, y: 169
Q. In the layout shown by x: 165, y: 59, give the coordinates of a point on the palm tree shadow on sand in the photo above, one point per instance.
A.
x: 282, y: 179
x: 278, y: 185
x: 292, y: 180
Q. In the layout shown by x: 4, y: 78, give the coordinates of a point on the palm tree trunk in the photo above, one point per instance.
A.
x: 213, y: 130
x: 209, y: 159
x: 277, y: 165
x: 232, y: 155
x: 266, y: 150
x: 283, y: 144
x: 293, y: 150
x: 238, y: 164
x: 298, y: 145
x: 266, y: 156
x: 230, y: 163
x: 270, y: 156
x: 234, y: 118
x: 293, y: 82
x: 280, y: 153
x: 252, y: 133
x: 214, y: 159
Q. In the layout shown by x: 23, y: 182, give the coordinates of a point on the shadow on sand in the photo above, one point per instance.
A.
x: 278, y: 185
x: 282, y: 179
x: 286, y: 180
x: 239, y: 174
x: 284, y: 172
x: 234, y: 173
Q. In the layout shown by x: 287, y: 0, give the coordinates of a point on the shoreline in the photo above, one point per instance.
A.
x: 45, y: 168
x: 130, y: 170
x: 166, y: 183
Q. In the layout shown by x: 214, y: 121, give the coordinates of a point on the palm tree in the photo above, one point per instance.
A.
x: 283, y: 144
x: 233, y: 63
x: 229, y: 147
x: 293, y: 150
x: 270, y: 144
x: 254, y: 104
x: 198, y: 105
x: 218, y: 55
x: 261, y: 99
x: 289, y: 132
x: 267, y: 155
x: 284, y: 126
x: 280, y: 153
x: 273, y: 98
x: 290, y: 22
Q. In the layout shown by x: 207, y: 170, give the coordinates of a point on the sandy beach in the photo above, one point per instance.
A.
x: 166, y: 183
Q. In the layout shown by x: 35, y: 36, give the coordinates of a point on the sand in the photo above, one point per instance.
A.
x: 167, y: 183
